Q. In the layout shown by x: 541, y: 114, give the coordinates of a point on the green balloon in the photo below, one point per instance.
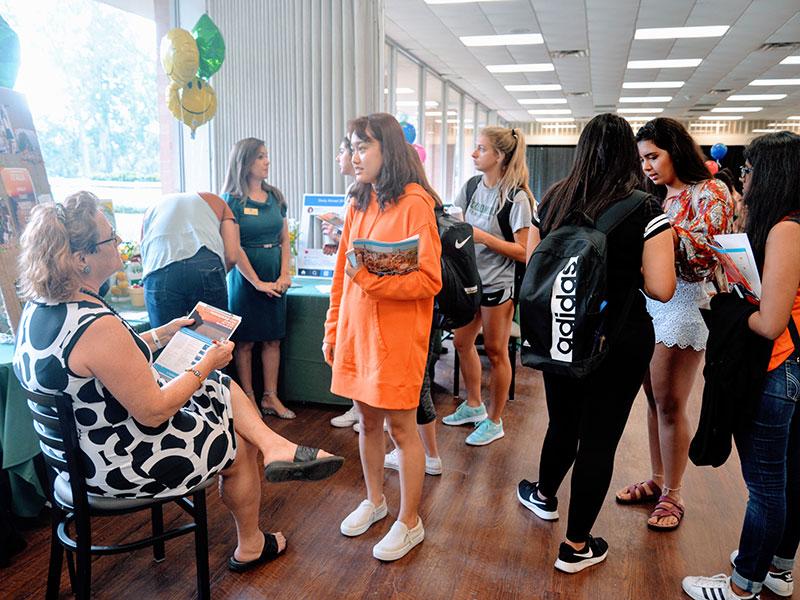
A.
x: 9, y: 55
x: 210, y: 45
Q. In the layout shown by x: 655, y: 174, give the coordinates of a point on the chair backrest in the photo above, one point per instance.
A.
x: 54, y: 423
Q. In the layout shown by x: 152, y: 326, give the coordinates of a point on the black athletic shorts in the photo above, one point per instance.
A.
x: 497, y: 297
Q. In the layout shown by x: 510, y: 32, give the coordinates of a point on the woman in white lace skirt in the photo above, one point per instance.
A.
x: 698, y: 207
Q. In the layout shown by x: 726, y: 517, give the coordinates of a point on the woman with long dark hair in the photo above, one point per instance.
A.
x: 257, y: 286
x: 377, y: 329
x: 769, y: 444
x: 588, y: 415
x: 698, y: 207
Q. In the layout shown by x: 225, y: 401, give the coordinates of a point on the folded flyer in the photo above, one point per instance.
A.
x: 735, y: 254
x: 386, y: 258
x: 191, y: 343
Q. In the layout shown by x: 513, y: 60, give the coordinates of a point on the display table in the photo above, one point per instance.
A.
x: 304, y: 376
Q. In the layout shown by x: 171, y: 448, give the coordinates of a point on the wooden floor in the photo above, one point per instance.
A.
x: 480, y: 542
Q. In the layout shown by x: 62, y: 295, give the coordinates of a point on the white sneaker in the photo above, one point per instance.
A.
x: 717, y: 587
x: 399, y: 541
x: 780, y: 583
x: 347, y: 419
x: 358, y: 521
x: 357, y: 426
x: 433, y: 466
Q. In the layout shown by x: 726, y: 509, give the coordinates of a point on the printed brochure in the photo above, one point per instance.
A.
x: 735, y: 255
x: 191, y: 343
x: 386, y: 258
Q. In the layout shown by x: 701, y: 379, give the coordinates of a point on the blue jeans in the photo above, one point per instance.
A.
x: 173, y: 291
x: 768, y: 449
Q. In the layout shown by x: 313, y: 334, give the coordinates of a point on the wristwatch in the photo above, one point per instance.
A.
x: 197, y: 374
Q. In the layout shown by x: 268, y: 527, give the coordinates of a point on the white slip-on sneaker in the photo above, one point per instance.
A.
x: 347, y: 419
x: 358, y: 521
x: 399, y: 541
x: 779, y: 583
x: 433, y: 466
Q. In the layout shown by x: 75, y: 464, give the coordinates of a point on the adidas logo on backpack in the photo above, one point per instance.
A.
x: 563, y: 297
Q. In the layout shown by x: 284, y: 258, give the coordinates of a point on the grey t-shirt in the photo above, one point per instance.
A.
x: 496, y: 271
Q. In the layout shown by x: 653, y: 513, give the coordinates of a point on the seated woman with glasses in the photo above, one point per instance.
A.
x: 141, y: 436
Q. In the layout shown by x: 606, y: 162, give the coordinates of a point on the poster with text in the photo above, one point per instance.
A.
x: 321, y: 222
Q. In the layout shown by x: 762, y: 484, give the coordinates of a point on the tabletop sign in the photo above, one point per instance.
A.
x: 321, y: 221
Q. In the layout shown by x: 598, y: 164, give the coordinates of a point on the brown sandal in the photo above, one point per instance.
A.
x: 666, y: 507
x: 638, y: 493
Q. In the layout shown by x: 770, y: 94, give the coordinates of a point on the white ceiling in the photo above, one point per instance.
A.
x: 605, y: 28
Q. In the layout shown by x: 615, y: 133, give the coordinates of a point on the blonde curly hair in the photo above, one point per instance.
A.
x: 48, y: 268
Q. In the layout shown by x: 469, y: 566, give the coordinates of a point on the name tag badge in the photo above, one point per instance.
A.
x: 253, y: 212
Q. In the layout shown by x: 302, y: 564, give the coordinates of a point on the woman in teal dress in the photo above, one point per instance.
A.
x: 257, y: 286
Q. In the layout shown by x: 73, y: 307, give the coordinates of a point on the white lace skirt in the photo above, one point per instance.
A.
x: 679, y: 322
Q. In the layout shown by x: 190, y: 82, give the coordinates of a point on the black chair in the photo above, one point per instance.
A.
x: 513, y: 343
x: 54, y: 423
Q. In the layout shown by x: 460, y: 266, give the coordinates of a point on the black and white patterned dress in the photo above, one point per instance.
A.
x: 124, y: 458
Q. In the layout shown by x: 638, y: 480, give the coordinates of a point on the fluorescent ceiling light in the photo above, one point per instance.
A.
x: 438, y: 113
x: 400, y: 90
x: 534, y: 87
x: 643, y: 111
x: 524, y: 68
x: 737, y: 109
x: 519, y: 39
x: 783, y: 124
x: 554, y: 119
x: 720, y: 118
x: 542, y: 101
x: 669, y: 63
x: 550, y: 111
x: 791, y: 60
x: 797, y: 118
x: 708, y: 124
x: 562, y: 126
x: 457, y: 1
x: 775, y: 82
x: 756, y: 97
x: 637, y: 119
x: 645, y: 99
x: 651, y: 85
x: 412, y: 103
x: 763, y: 130
x: 671, y: 33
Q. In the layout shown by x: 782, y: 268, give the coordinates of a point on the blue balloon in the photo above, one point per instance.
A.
x: 718, y: 151
x: 409, y: 131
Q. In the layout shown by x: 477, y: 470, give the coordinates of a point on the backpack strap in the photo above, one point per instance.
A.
x: 472, y: 185
x: 619, y: 211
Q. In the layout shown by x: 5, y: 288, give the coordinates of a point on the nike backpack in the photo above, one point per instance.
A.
x: 460, y: 296
x: 504, y: 221
x: 564, y: 294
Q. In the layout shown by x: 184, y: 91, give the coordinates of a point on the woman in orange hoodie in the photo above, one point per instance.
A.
x: 377, y: 329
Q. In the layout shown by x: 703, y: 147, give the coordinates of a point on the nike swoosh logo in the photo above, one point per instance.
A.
x: 460, y: 244
x: 491, y: 298
x: 584, y: 554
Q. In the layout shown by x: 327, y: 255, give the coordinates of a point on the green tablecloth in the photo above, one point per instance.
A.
x: 304, y: 375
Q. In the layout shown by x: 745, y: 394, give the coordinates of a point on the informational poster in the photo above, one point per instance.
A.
x: 23, y: 184
x: 321, y: 224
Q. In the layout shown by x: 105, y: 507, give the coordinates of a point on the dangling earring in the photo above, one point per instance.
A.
x: 86, y: 269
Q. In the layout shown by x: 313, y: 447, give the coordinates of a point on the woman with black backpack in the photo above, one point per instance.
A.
x: 588, y: 414
x: 769, y: 441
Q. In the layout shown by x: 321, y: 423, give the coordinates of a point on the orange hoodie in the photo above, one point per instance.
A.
x: 379, y: 326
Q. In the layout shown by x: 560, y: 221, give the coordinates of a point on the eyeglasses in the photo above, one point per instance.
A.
x: 744, y: 170
x: 113, y: 238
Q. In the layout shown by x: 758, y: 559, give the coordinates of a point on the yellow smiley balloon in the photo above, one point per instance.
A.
x: 179, y: 55
x: 194, y: 104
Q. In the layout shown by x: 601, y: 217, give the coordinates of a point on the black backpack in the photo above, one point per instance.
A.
x: 504, y: 221
x: 562, y: 318
x: 460, y: 296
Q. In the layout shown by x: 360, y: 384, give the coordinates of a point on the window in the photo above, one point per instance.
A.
x: 453, y: 165
x: 433, y: 130
x: 387, y: 77
x: 467, y: 143
x: 89, y: 74
x: 407, y: 93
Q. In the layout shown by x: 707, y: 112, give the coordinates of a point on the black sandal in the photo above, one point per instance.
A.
x: 305, y: 466
x: 268, y: 553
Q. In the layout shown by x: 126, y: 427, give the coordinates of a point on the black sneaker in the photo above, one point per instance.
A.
x: 571, y: 560
x: 528, y: 495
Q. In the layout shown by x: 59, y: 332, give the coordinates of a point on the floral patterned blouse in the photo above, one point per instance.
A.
x: 699, y: 211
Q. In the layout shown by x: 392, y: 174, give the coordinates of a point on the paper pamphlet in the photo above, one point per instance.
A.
x: 736, y: 257
x: 191, y: 343
x: 386, y: 258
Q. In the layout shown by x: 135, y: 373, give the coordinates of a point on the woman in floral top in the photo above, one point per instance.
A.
x: 698, y: 207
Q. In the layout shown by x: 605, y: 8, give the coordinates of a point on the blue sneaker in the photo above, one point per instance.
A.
x: 466, y: 414
x: 485, y: 433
